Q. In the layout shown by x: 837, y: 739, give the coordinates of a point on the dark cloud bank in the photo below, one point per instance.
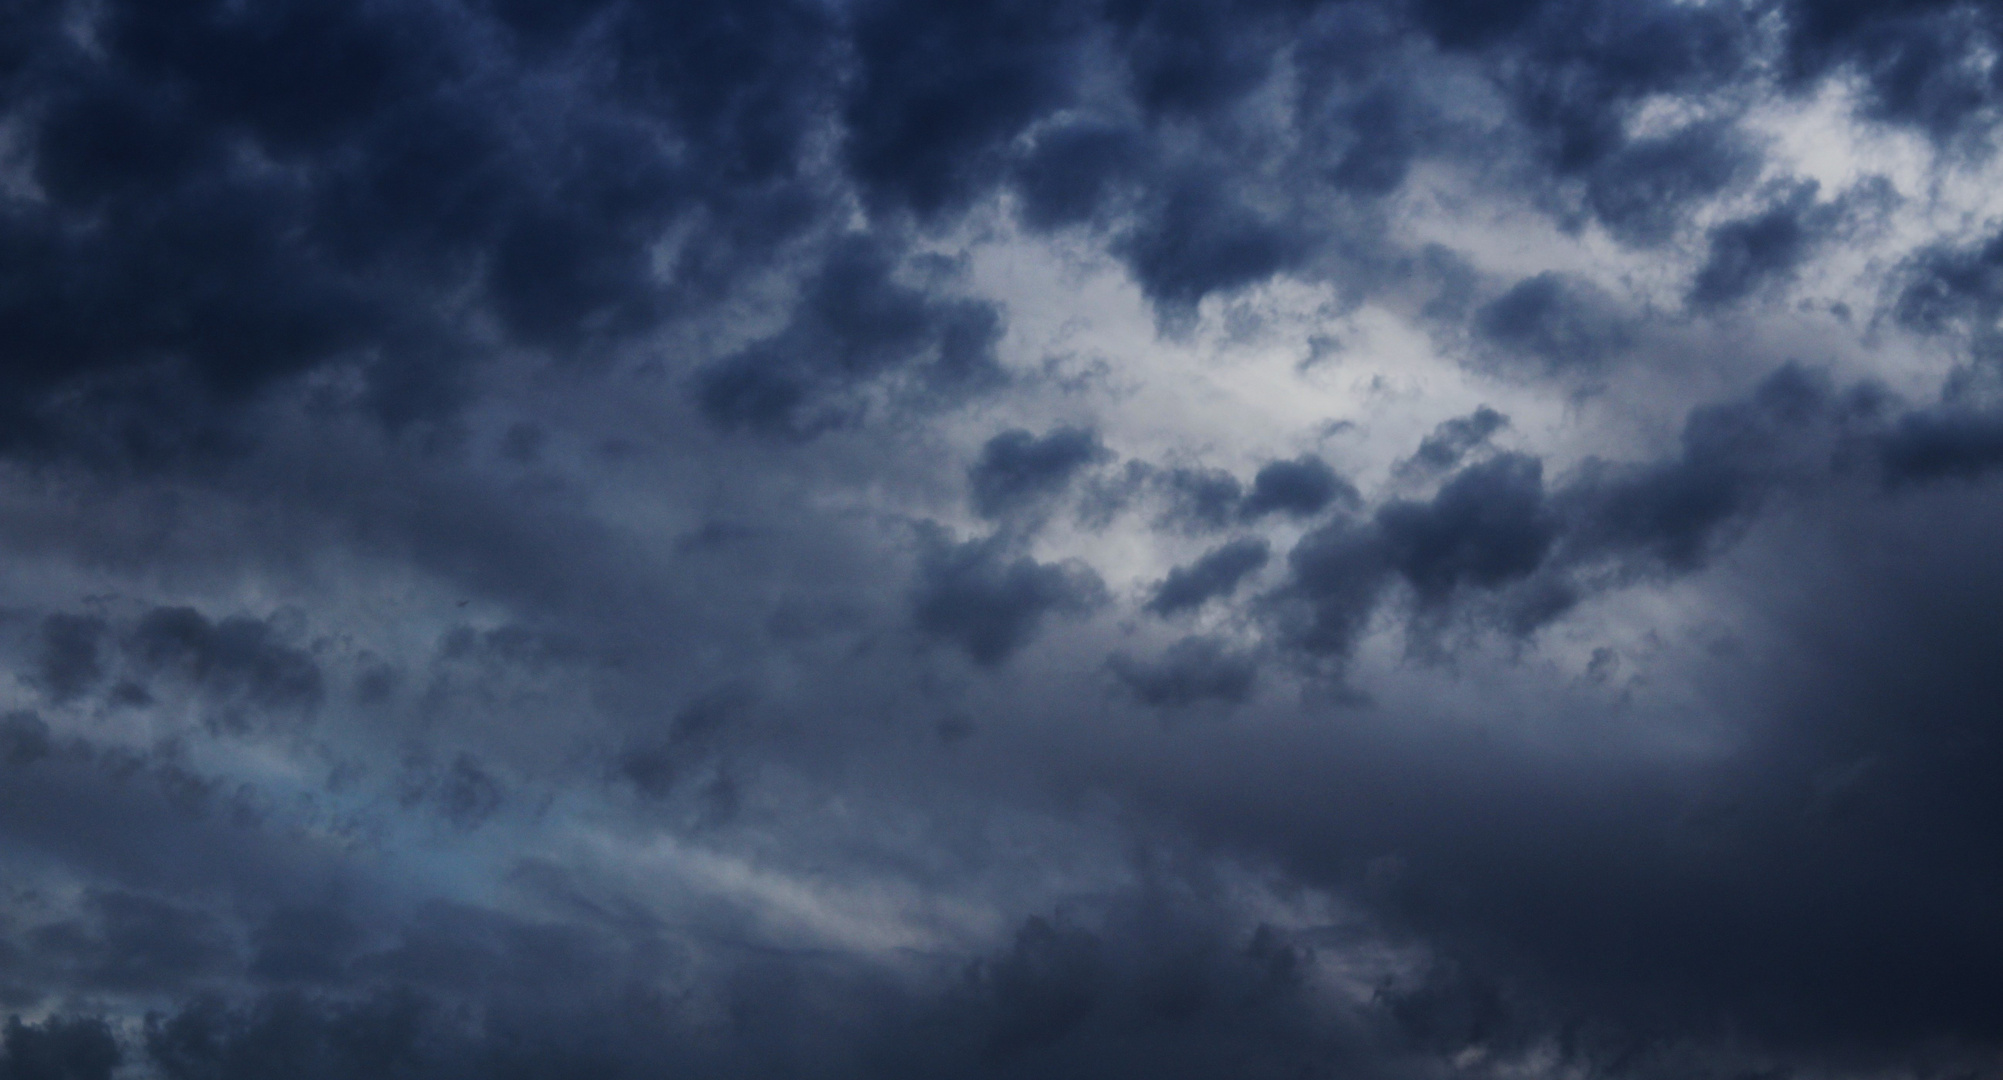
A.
x: 531, y: 549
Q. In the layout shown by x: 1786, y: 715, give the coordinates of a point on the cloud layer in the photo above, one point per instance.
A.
x: 875, y: 539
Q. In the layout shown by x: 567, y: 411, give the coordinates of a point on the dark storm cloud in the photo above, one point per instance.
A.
x: 411, y: 156
x: 236, y: 656
x: 146, y: 823
x: 395, y: 207
x: 1198, y: 238
x: 1155, y: 985
x: 1919, y: 60
x: 1751, y: 253
x: 1202, y: 499
x: 655, y: 765
x: 1452, y: 441
x: 1016, y: 467
x: 1642, y: 192
x: 1216, y: 574
x: 326, y: 333
x: 1488, y: 525
x: 989, y: 600
x: 943, y: 90
x: 60, y: 1048
x: 463, y: 792
x: 1554, y: 323
x: 1832, y: 783
x: 1494, y: 531
x: 399, y: 196
x: 1073, y: 170
x: 24, y: 738
x: 1302, y: 487
x: 1958, y: 289
x: 856, y: 327
x: 1194, y: 669
x: 304, y: 943
x: 1576, y: 73
x: 1942, y: 442
x: 130, y: 941
x: 1670, y: 513
x: 69, y: 662
x: 1653, y: 901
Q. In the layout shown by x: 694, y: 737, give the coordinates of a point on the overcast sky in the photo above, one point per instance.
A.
x: 1008, y: 538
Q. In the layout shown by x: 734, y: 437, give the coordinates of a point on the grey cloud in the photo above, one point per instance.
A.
x: 1955, y: 288
x: 1198, y: 238
x: 1016, y: 467
x: 397, y: 188
x: 1487, y: 526
x: 69, y: 663
x: 855, y: 326
x: 1216, y: 574
x: 1671, y: 512
x: 1932, y: 444
x: 305, y: 943
x: 989, y: 601
x: 1493, y: 526
x: 25, y: 738
x: 237, y: 655
x: 1554, y: 323
x: 1202, y: 499
x: 410, y: 199
x: 654, y: 765
x: 1452, y: 441
x: 567, y: 377
x: 133, y: 941
x: 60, y: 1048
x: 941, y: 91
x: 1337, y: 577
x: 1302, y: 487
x: 1750, y: 253
x: 1073, y: 171
x: 1914, y: 59
x: 1642, y: 192
x: 1154, y: 986
x: 468, y: 794
x: 1193, y: 670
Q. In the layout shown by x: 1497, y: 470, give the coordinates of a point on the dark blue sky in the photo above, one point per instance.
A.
x: 1137, y: 538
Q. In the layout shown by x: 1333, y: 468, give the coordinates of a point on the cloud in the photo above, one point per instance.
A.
x: 1302, y: 487
x: 1202, y: 499
x: 1750, y: 253
x: 1452, y: 441
x: 1642, y: 192
x: 1016, y: 467
x: 856, y: 329
x: 63, y: 1048
x: 237, y: 655
x: 1216, y: 574
x: 1192, y: 670
x: 1953, y: 287
x: 69, y: 654
x: 393, y: 186
x: 1487, y: 526
x: 1554, y: 324
x: 988, y: 601
x: 1918, y: 62
x: 481, y: 592
x: 1933, y: 444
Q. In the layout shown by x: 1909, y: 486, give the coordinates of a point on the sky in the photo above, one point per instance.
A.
x: 1379, y: 539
